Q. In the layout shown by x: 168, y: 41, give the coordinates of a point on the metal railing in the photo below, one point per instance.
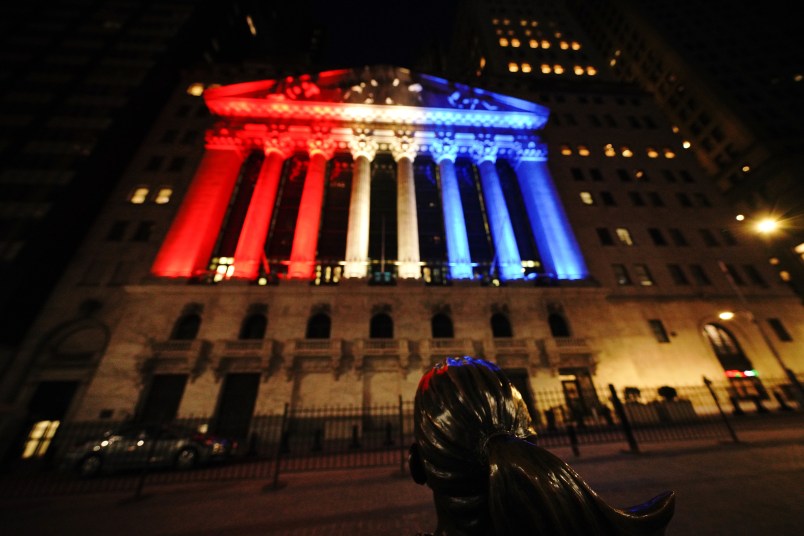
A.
x: 321, y: 438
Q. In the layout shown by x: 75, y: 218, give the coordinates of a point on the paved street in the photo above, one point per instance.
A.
x: 755, y: 487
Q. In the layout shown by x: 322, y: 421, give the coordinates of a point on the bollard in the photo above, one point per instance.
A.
x: 316, y: 440
x: 573, y: 440
x: 551, y: 419
x: 355, y: 444
x: 389, y: 440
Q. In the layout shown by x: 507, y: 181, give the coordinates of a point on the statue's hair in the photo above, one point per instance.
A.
x: 476, y: 441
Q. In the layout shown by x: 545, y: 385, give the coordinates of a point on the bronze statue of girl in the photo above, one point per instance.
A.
x: 475, y: 448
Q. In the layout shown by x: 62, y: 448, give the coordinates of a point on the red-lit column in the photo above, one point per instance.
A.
x: 305, y: 237
x: 251, y: 244
x: 188, y: 245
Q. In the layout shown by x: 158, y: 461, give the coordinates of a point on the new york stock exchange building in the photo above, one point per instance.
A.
x: 324, y: 239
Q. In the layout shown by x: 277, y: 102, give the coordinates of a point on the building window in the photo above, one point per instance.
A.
x: 597, y: 176
x: 558, y: 325
x: 678, y: 237
x: 643, y: 275
x: 143, y: 231
x: 655, y: 199
x: 163, y: 196
x: 624, y: 175
x: 703, y: 200
x: 636, y: 199
x: 727, y: 237
x: 754, y: 275
x: 699, y: 275
x: 186, y: 327
x: 318, y: 326
x: 576, y: 173
x: 624, y: 235
x: 781, y: 333
x: 621, y: 274
x: 253, y: 327
x: 657, y: 327
x: 441, y: 326
x: 117, y: 231
x: 678, y: 275
x: 501, y: 326
x: 381, y: 327
x: 177, y: 163
x: 708, y: 237
x: 138, y: 196
x: 657, y: 237
x: 608, y: 199
x: 587, y: 199
x: 154, y: 163
x: 683, y: 199
x: 731, y: 272
x: 605, y: 236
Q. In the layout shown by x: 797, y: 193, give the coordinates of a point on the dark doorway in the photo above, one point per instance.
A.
x: 186, y: 327
x: 558, y: 325
x: 236, y: 407
x: 318, y: 327
x: 162, y: 400
x: 441, y: 326
x: 500, y: 326
x: 382, y: 327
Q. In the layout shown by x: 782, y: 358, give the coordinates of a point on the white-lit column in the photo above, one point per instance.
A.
x: 363, y: 148
x: 407, y: 224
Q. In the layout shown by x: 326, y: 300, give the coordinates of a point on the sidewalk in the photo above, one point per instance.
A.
x: 754, y: 487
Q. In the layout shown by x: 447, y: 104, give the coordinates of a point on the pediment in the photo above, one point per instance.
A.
x: 354, y: 94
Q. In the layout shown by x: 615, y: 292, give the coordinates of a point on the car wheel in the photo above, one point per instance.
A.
x: 186, y: 458
x: 90, y: 466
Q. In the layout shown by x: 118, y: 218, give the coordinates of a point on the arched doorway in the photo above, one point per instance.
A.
x: 736, y: 365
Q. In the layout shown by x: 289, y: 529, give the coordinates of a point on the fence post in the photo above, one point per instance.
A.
x: 280, y: 445
x: 402, y: 449
x: 573, y: 440
x: 708, y: 384
x: 620, y: 410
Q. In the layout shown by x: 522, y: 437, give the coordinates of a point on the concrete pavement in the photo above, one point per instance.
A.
x: 754, y: 487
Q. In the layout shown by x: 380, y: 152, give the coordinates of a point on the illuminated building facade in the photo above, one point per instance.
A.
x: 337, y: 232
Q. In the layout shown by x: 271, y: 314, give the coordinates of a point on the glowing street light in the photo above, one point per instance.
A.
x: 767, y: 225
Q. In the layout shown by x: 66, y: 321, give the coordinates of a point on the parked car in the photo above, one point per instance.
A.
x: 137, y: 445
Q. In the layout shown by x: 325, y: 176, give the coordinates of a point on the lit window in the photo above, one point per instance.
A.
x: 576, y: 45
x: 513, y: 67
x: 482, y: 62
x: 515, y: 42
x: 624, y: 236
x: 675, y: 129
x: 495, y: 22
x: 669, y: 153
x: 643, y: 275
x: 565, y: 150
x: 686, y: 144
x: 799, y: 249
x: 587, y: 198
x: 746, y: 168
x: 609, y: 150
x: 621, y: 274
x: 526, y: 67
x: 546, y: 68
x: 503, y: 42
x: 558, y: 35
x: 139, y: 196
x: 613, y: 62
x: 639, y: 174
x: 558, y: 69
x: 784, y: 275
x: 250, y: 23
x: 578, y: 70
x: 506, y: 22
x: 222, y: 268
x: 534, y: 23
x: 196, y: 89
x: 774, y: 261
x: 523, y: 22
x: 563, y: 45
x: 533, y: 43
x: 39, y: 438
x: 652, y: 153
x: 545, y: 43
x: 583, y: 150
x: 528, y: 33
x: 591, y: 71
x: 163, y: 196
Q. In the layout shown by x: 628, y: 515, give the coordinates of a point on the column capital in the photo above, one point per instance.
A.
x: 323, y: 145
x: 530, y: 149
x: 278, y: 141
x: 444, y: 148
x: 404, y: 146
x: 484, y: 148
x: 363, y: 144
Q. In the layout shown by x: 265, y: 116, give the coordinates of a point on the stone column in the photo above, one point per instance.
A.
x: 444, y: 152
x: 502, y: 232
x: 187, y: 248
x: 408, y: 261
x: 558, y: 247
x: 250, y: 249
x: 363, y: 148
x: 305, y: 237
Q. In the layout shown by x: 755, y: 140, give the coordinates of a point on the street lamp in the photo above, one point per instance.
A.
x: 727, y: 315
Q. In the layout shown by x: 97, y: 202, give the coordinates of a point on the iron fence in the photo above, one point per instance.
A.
x: 321, y: 438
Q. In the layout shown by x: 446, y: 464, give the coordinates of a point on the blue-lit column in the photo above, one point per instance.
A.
x: 502, y: 232
x: 363, y: 148
x: 460, y: 260
x: 404, y: 151
x: 557, y: 245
